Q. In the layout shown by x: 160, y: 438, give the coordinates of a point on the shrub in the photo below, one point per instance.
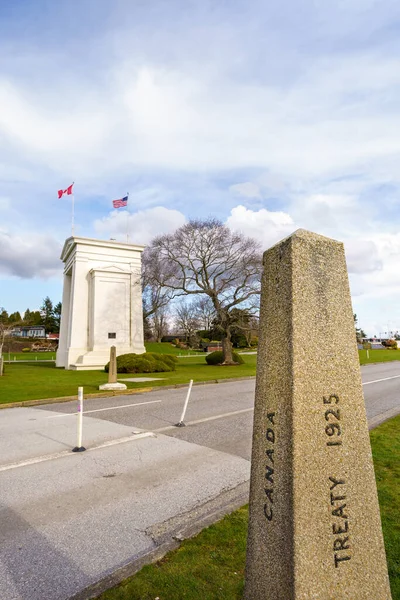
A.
x: 392, y: 344
x: 26, y: 349
x: 240, y: 341
x: 149, y: 362
x: 169, y: 359
x: 216, y: 358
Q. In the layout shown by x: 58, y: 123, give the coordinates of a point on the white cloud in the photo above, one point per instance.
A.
x: 141, y: 226
x: 248, y: 189
x: 30, y: 255
x: 4, y: 203
x: 372, y: 260
x: 65, y: 137
x: 333, y: 214
x: 331, y: 121
x: 265, y: 226
x: 362, y: 256
x: 317, y: 129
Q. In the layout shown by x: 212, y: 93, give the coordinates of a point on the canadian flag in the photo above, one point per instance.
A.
x: 68, y: 191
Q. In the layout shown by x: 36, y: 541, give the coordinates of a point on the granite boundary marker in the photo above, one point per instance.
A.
x: 112, y: 384
x: 314, y: 524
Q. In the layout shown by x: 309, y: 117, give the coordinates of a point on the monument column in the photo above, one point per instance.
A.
x: 61, y: 357
x: 136, y: 331
x: 314, y: 527
x: 78, y: 328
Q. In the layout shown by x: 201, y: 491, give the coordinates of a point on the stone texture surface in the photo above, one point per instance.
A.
x: 112, y: 371
x: 314, y: 529
x: 112, y: 386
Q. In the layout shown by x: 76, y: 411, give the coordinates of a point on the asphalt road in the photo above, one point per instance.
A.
x: 220, y: 416
x: 69, y: 520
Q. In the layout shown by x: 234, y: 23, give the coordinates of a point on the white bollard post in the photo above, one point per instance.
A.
x: 79, y: 447
x: 368, y: 354
x: 181, y: 423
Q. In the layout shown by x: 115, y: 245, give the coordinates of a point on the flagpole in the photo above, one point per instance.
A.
x: 127, y: 222
x: 73, y: 211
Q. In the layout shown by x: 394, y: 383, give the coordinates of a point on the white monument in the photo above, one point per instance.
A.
x: 101, y: 304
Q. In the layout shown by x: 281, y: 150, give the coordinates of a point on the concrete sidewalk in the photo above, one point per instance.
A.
x: 72, y: 521
x: 26, y: 434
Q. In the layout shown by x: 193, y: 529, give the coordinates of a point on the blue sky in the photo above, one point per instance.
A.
x: 271, y: 117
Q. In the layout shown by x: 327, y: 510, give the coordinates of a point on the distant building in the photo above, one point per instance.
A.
x: 29, y: 331
x: 173, y: 336
x: 212, y: 346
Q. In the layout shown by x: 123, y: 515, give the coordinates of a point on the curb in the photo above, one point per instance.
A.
x: 129, y: 392
x: 209, y: 381
x: 71, y: 398
x: 169, y: 535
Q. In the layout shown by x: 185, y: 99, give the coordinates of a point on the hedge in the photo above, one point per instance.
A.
x: 149, y: 362
x: 217, y: 358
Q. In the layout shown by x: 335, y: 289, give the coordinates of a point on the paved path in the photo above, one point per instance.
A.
x: 220, y: 416
x: 69, y: 520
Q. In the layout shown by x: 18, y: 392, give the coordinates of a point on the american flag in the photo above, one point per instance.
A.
x: 120, y: 202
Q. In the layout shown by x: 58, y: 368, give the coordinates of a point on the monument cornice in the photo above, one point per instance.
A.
x: 72, y: 243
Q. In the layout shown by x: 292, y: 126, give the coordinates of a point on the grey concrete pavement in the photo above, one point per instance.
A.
x: 381, y: 384
x: 69, y: 522
x: 214, y: 403
x: 26, y: 434
x: 74, y: 519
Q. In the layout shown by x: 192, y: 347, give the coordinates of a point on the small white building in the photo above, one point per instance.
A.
x: 27, y: 331
x: 101, y: 304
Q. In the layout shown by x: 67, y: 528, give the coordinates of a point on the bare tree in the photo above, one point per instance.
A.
x: 5, y: 329
x: 205, y: 311
x: 160, y: 323
x: 244, y: 323
x: 252, y: 328
x: 186, y: 320
x: 155, y: 294
x: 207, y: 258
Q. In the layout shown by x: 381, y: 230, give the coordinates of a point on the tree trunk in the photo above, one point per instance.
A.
x: 247, y: 335
x: 227, y: 349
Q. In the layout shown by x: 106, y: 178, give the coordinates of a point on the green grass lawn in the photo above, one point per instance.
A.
x: 29, y: 381
x: 166, y: 348
x: 38, y: 380
x: 385, y: 442
x: 28, y: 356
x: 378, y: 356
x: 162, y: 348
x: 211, y: 565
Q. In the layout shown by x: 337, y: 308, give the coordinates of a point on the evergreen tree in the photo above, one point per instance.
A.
x: 15, y: 318
x: 36, y: 318
x: 47, y: 315
x: 57, y: 317
x: 27, y: 317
